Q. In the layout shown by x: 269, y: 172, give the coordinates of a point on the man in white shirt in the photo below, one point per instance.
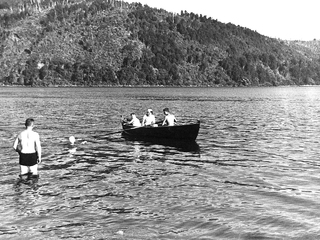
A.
x: 134, y: 121
x: 149, y: 119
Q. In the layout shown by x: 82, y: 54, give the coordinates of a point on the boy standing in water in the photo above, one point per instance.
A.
x: 27, y: 144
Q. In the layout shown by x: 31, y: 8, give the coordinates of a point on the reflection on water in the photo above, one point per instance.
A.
x: 252, y: 173
x: 178, y: 145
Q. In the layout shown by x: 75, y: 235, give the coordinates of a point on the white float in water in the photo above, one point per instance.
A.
x: 72, y: 140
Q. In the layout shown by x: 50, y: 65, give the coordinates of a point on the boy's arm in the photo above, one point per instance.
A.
x: 164, y: 121
x: 16, y: 143
x: 38, y: 145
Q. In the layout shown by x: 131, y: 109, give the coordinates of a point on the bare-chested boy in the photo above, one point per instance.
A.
x: 169, y: 119
x: 27, y: 144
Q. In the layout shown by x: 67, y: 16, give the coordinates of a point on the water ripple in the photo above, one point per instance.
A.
x: 251, y: 174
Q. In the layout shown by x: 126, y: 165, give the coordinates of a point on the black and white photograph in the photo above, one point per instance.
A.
x: 158, y: 119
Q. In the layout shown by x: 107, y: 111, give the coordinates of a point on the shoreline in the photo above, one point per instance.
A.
x: 146, y: 86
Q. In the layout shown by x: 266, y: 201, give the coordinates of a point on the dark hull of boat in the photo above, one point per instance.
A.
x: 187, y: 132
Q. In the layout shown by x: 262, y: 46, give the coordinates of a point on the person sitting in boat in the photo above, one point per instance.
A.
x: 149, y: 119
x: 134, y: 121
x: 169, y: 119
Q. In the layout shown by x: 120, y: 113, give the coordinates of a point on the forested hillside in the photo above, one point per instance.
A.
x: 109, y: 42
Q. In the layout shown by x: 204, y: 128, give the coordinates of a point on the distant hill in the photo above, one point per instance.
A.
x: 112, y: 43
x: 309, y: 48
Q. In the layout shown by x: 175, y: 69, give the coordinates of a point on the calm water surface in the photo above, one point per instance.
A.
x: 253, y: 172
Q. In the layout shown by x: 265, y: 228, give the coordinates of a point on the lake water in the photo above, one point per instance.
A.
x: 253, y: 173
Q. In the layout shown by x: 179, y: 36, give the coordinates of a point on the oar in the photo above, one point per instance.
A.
x: 113, y: 133
x: 159, y: 122
x: 120, y: 131
x: 107, y: 134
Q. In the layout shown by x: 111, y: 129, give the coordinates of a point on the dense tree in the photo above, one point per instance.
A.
x: 108, y: 42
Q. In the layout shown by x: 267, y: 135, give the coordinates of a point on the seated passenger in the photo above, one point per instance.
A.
x: 149, y: 119
x: 169, y: 119
x: 134, y: 121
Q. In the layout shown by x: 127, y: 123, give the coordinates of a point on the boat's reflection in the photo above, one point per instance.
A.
x: 180, y: 145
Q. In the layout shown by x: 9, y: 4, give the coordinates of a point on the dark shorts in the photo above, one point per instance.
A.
x: 28, y: 159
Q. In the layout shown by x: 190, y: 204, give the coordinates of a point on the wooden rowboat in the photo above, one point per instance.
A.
x: 186, y: 132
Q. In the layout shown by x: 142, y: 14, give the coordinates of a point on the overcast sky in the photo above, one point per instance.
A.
x: 284, y: 19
